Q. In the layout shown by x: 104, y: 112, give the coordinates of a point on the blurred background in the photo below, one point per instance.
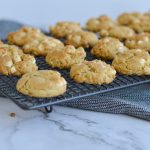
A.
x: 47, y: 12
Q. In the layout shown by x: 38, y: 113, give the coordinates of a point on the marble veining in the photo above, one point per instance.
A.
x: 70, y: 129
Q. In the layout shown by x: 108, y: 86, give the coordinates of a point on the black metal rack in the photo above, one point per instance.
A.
x: 74, y: 90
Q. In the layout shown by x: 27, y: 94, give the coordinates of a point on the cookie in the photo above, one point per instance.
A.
x: 42, y: 47
x: 100, y: 23
x: 82, y: 39
x: 93, y: 72
x: 64, y: 28
x: 142, y: 25
x: 65, y: 57
x: 24, y: 35
x: 119, y: 32
x: 42, y: 83
x: 147, y: 14
x: 14, y: 62
x: 139, y: 41
x: 128, y: 18
x: 133, y: 62
x: 107, y: 48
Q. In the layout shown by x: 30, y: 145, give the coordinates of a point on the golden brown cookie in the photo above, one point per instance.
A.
x: 141, y: 25
x: 93, y: 72
x: 119, y: 32
x: 40, y: 47
x: 24, y: 35
x: 14, y: 62
x: 133, y: 62
x: 107, y: 48
x: 85, y: 39
x: 65, y: 57
x: 42, y: 83
x: 128, y: 18
x: 100, y: 23
x: 140, y: 41
x: 147, y: 14
x: 64, y: 28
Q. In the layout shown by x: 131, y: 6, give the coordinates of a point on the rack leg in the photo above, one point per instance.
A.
x: 48, y: 109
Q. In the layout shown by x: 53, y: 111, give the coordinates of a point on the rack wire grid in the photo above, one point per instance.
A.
x: 74, y: 90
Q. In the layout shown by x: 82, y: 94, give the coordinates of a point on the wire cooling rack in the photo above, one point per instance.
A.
x: 74, y: 90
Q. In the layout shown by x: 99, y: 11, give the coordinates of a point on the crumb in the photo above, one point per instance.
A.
x: 12, y: 114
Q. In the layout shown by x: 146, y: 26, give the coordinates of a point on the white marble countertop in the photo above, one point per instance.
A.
x: 70, y: 129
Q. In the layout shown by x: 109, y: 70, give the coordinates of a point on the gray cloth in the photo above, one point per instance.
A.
x: 133, y: 101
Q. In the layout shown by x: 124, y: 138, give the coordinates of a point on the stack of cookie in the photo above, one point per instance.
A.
x: 125, y: 42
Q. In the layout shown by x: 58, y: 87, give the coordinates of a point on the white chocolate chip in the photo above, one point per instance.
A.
x: 77, y: 39
x: 33, y: 61
x: 9, y: 63
x: 140, y: 42
x: 17, y: 58
x: 146, y: 39
x: 70, y: 49
x: 62, y: 83
x: 142, y: 61
x: 114, y: 72
x: 121, y: 49
x: 13, y: 69
x: 138, y: 50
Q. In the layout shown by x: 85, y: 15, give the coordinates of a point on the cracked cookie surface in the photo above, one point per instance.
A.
x: 14, y: 62
x: 65, y: 57
x: 93, y: 72
x: 129, y: 18
x: 40, y: 47
x: 64, y: 28
x: 133, y: 62
x: 24, y: 35
x: 119, y: 32
x: 85, y: 39
x: 141, y: 25
x: 42, y: 83
x: 139, y: 41
x: 100, y: 23
x: 107, y: 48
